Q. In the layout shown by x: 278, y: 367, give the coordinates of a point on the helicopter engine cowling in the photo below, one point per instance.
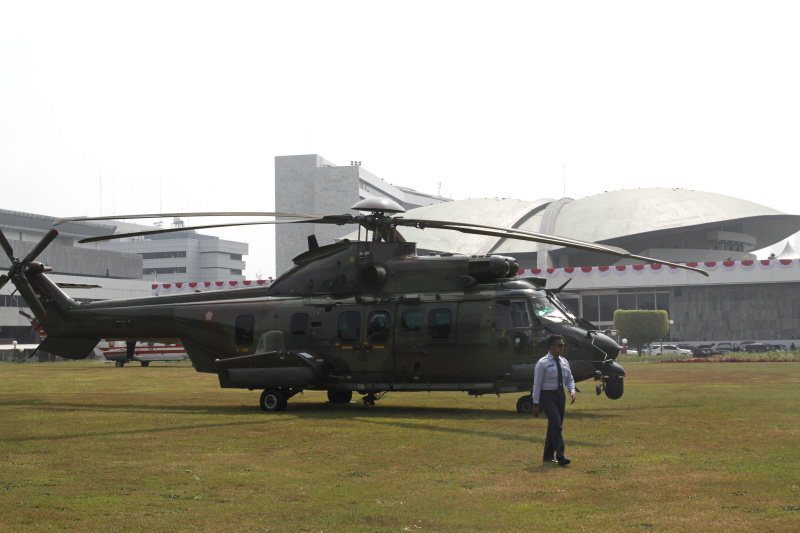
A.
x: 373, y: 276
x: 488, y: 267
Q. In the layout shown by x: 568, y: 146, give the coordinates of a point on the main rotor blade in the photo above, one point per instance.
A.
x: 321, y: 219
x: 187, y: 215
x: 509, y: 233
x: 575, y: 244
x: 44, y: 243
x: 6, y: 246
x: 3, y: 280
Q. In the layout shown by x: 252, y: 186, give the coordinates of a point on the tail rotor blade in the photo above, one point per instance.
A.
x: 44, y: 243
x: 31, y: 299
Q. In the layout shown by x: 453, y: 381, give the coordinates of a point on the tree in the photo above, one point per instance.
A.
x: 641, y: 327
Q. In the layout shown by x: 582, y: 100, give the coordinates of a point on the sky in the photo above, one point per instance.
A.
x: 115, y: 107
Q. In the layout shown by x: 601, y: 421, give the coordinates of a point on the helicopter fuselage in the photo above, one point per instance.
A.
x: 483, y: 340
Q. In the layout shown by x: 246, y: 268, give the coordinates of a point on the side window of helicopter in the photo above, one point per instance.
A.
x: 519, y: 314
x: 511, y: 314
x: 378, y: 326
x: 243, y: 332
x: 299, y: 324
x: 502, y: 314
x: 440, y: 322
x: 349, y: 326
x: 411, y: 320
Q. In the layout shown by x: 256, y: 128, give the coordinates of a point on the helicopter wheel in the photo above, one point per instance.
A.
x: 119, y: 364
x: 525, y: 405
x: 145, y: 363
x: 340, y: 396
x: 369, y: 399
x: 614, y: 387
x: 273, y: 400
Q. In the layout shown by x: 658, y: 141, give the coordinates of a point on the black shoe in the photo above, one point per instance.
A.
x: 550, y: 460
x: 563, y: 461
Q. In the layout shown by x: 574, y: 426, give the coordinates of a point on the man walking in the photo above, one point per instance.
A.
x: 551, y: 374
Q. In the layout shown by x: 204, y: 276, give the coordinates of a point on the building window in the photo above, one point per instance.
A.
x: 165, y: 270
x: 236, y: 257
x: 163, y: 255
x: 236, y: 272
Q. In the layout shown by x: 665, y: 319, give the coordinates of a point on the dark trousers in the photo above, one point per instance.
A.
x: 553, y: 404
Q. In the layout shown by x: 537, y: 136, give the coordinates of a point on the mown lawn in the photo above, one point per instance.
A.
x: 87, y: 446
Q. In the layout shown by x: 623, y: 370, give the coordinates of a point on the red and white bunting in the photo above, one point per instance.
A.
x: 203, y: 286
x: 623, y: 270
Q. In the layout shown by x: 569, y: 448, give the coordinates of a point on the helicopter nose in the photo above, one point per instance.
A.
x: 604, y: 347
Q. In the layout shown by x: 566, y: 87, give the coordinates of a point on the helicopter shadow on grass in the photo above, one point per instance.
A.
x: 354, y: 408
x: 414, y: 418
x: 128, y: 409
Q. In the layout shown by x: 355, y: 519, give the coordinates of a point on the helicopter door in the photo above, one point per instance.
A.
x: 347, y: 345
x: 440, y: 363
x: 375, y: 357
x: 408, y: 344
x: 512, y: 330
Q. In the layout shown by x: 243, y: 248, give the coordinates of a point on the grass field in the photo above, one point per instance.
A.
x: 89, y: 447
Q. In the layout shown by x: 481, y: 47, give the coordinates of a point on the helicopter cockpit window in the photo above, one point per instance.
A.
x: 511, y: 314
x: 439, y: 324
x: 349, y: 326
x: 378, y: 326
x: 243, y: 332
x: 547, y: 311
x: 411, y: 320
x: 299, y: 324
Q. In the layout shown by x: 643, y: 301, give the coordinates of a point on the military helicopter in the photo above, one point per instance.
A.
x: 369, y: 316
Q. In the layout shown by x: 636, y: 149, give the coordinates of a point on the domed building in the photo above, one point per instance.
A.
x: 672, y: 224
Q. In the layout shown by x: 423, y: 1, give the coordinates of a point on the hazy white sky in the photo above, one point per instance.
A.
x: 182, y: 106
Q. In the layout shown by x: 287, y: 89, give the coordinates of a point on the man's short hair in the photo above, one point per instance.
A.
x: 551, y: 340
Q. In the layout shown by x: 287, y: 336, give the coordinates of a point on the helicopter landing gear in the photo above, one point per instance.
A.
x: 119, y: 364
x: 273, y: 400
x: 276, y: 399
x: 145, y: 363
x: 340, y: 396
x: 370, y: 398
x: 525, y: 405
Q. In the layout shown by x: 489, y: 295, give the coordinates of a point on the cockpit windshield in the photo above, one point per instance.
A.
x: 547, y: 311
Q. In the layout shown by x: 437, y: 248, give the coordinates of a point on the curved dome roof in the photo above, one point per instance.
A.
x: 636, y: 211
x: 635, y: 219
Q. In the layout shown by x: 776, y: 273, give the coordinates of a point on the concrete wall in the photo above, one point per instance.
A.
x: 736, y: 312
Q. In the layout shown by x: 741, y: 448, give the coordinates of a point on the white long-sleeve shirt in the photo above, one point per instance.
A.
x: 545, y: 376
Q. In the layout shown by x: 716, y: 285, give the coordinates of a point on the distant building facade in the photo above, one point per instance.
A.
x: 122, y: 269
x: 310, y: 184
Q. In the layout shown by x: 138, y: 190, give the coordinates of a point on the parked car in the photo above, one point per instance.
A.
x: 696, y: 351
x: 727, y: 347
x: 756, y: 347
x: 659, y: 349
x: 706, y: 350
